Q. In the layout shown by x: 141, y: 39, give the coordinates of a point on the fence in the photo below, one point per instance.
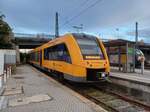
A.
x: 6, y: 75
x: 7, y: 61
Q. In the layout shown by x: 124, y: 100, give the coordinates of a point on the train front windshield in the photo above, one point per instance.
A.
x: 139, y: 52
x: 89, y: 47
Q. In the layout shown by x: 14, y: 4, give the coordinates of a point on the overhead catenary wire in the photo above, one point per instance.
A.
x: 81, y: 12
x: 71, y: 12
x: 82, y: 4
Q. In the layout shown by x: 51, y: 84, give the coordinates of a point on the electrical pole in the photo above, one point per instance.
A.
x: 136, y: 35
x: 136, y: 43
x: 56, y: 26
x: 136, y: 46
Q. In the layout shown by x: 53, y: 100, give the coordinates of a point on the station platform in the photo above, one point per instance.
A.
x: 137, y: 76
x: 32, y: 91
x: 136, y: 81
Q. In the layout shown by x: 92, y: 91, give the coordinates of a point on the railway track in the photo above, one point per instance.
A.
x: 111, y: 102
x: 124, y: 96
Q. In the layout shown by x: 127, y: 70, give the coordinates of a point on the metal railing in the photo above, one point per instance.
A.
x: 6, y: 75
x: 22, y: 35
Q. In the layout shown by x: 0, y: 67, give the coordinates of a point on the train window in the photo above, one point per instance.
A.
x: 57, y: 52
x: 45, y: 54
x: 89, y: 45
x: 35, y: 56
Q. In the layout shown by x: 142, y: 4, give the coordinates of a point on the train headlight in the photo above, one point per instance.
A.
x: 103, y: 74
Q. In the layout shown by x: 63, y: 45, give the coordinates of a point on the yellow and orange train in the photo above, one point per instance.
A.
x: 77, y: 57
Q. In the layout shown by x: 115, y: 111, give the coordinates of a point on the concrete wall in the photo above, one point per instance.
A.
x: 1, y: 63
x: 9, y: 56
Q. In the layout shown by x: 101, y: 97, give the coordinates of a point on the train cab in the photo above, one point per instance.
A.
x: 93, y: 57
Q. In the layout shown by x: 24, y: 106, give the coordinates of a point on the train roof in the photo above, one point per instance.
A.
x: 51, y: 41
x: 80, y: 35
x: 83, y: 35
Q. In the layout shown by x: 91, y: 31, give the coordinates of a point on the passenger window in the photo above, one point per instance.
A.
x: 35, y: 56
x: 57, y: 52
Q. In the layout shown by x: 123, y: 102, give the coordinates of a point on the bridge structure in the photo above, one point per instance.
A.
x: 30, y: 41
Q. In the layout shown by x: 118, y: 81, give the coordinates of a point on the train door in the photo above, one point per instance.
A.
x: 41, y: 58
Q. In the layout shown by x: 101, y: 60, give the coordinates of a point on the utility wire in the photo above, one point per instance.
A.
x: 81, y: 12
x: 68, y: 26
x: 80, y: 5
x: 71, y: 12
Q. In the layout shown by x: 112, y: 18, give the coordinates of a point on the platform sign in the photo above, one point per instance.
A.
x: 130, y: 51
x: 1, y: 62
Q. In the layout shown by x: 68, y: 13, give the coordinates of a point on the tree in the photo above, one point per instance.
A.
x: 2, y: 16
x: 5, y: 33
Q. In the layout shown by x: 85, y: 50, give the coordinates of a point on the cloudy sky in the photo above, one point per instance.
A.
x: 108, y: 18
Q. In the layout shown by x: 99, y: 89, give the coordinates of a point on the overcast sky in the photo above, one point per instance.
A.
x: 97, y: 16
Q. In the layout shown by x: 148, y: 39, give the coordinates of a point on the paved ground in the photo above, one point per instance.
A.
x: 137, y: 76
x: 32, y: 82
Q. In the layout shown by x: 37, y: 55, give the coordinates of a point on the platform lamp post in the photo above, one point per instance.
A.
x: 117, y: 31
